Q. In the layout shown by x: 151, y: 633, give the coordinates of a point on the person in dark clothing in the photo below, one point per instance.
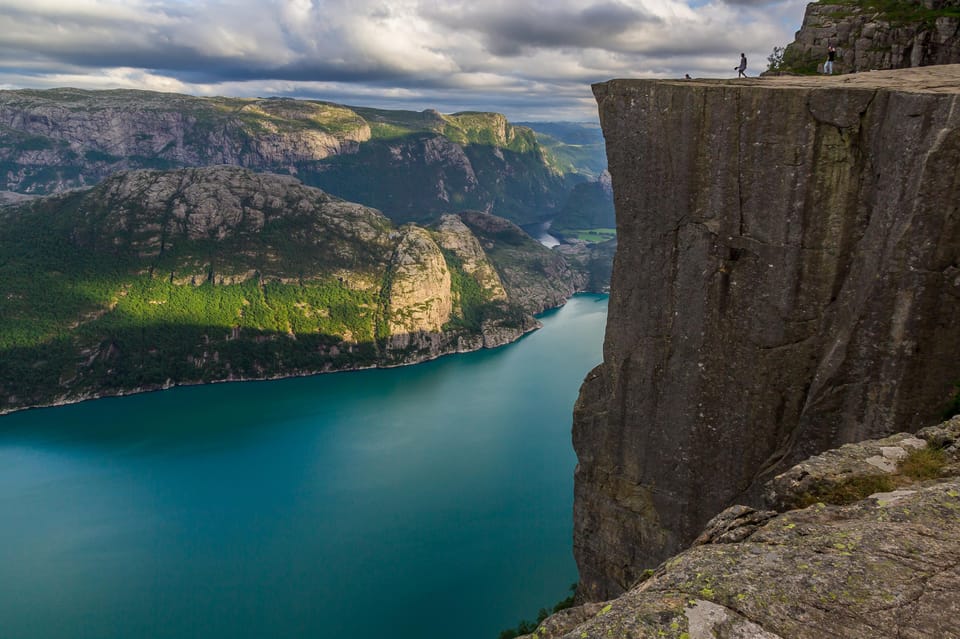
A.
x: 831, y: 56
x: 743, y: 66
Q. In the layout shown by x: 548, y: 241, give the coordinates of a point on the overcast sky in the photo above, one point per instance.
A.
x: 530, y: 59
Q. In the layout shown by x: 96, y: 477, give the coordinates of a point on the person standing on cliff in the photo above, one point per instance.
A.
x: 831, y: 56
x: 743, y: 66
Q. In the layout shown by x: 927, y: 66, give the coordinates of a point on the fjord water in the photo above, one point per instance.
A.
x: 424, y: 501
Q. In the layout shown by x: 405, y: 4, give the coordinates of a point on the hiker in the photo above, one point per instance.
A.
x: 743, y: 66
x: 831, y: 56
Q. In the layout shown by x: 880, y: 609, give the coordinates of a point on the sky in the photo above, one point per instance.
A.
x: 528, y: 59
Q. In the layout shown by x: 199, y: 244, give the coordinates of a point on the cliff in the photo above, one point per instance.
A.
x: 873, y: 35
x: 880, y: 561
x: 787, y: 279
x: 158, y: 278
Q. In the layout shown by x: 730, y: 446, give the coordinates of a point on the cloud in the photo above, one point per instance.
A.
x: 511, y: 28
x: 522, y: 57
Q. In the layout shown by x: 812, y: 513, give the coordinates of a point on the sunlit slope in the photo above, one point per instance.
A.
x: 161, y: 277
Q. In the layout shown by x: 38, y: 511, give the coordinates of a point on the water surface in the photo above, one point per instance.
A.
x: 423, y: 501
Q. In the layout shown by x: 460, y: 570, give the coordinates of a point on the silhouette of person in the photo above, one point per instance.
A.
x: 743, y: 66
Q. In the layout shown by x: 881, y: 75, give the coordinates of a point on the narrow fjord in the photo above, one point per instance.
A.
x: 397, y: 502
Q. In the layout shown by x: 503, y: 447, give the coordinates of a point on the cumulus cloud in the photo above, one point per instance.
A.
x: 528, y: 58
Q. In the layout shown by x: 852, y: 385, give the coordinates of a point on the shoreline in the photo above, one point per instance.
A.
x: 66, y: 401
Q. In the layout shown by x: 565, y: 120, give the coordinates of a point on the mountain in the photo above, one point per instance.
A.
x: 156, y: 278
x: 413, y: 166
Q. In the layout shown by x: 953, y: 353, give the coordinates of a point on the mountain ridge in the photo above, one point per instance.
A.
x: 414, y: 166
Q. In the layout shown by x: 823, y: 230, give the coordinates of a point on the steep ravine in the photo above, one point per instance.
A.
x: 787, y: 279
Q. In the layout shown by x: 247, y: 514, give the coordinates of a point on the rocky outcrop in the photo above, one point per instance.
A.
x: 882, y: 565
x: 868, y: 37
x: 418, y: 285
x: 454, y: 236
x: 787, y: 279
x: 86, y: 135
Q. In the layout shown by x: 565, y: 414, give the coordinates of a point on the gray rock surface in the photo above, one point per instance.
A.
x: 869, y: 38
x: 883, y: 567
x: 839, y: 474
x: 787, y: 279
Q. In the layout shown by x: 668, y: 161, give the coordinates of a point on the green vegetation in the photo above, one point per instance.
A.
x: 923, y: 463
x: 849, y: 491
x: 473, y: 304
x: 953, y: 407
x: 900, y: 12
x: 397, y: 170
x: 102, y: 293
x: 572, y: 147
x: 793, y: 61
x: 775, y: 60
x: 589, y: 206
x: 919, y: 464
x: 590, y: 235
x: 393, y: 176
x: 525, y: 627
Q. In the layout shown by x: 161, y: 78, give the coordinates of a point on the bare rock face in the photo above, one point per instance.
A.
x: 868, y: 39
x: 110, y: 130
x: 419, y: 285
x: 413, y: 167
x: 853, y: 471
x: 454, y: 236
x: 153, y: 212
x: 787, y: 279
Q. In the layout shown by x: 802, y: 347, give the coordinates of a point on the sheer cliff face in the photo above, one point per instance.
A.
x: 787, y: 279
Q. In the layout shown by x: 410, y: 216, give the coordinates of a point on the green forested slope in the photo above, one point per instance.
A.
x: 157, y: 278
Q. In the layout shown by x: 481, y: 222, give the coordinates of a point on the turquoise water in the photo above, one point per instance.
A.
x: 425, y: 501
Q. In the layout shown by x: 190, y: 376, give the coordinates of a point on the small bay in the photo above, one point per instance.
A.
x: 423, y: 501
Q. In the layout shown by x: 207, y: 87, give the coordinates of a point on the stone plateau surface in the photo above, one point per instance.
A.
x: 787, y: 280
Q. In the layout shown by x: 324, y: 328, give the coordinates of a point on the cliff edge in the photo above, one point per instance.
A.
x: 787, y: 280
